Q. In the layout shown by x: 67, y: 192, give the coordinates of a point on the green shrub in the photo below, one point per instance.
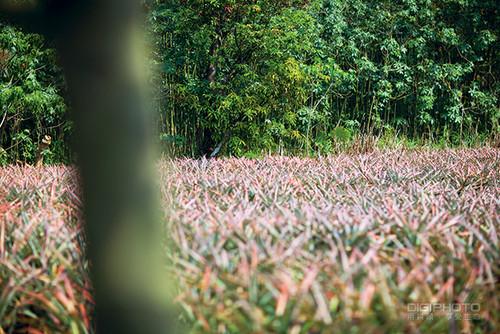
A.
x: 31, y: 99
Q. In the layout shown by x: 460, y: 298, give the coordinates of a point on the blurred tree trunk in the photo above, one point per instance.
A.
x: 95, y: 40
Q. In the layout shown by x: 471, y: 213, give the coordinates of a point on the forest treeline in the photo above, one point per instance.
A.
x: 283, y: 76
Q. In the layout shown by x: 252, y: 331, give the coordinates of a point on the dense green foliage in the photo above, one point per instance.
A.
x: 302, y: 74
x: 289, y: 76
x: 31, y: 99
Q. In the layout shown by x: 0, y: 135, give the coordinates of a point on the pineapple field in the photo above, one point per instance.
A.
x: 398, y: 241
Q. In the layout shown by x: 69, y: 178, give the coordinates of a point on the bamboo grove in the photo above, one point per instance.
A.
x: 253, y: 77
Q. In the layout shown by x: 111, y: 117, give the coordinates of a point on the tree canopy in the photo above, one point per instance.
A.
x: 284, y: 76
